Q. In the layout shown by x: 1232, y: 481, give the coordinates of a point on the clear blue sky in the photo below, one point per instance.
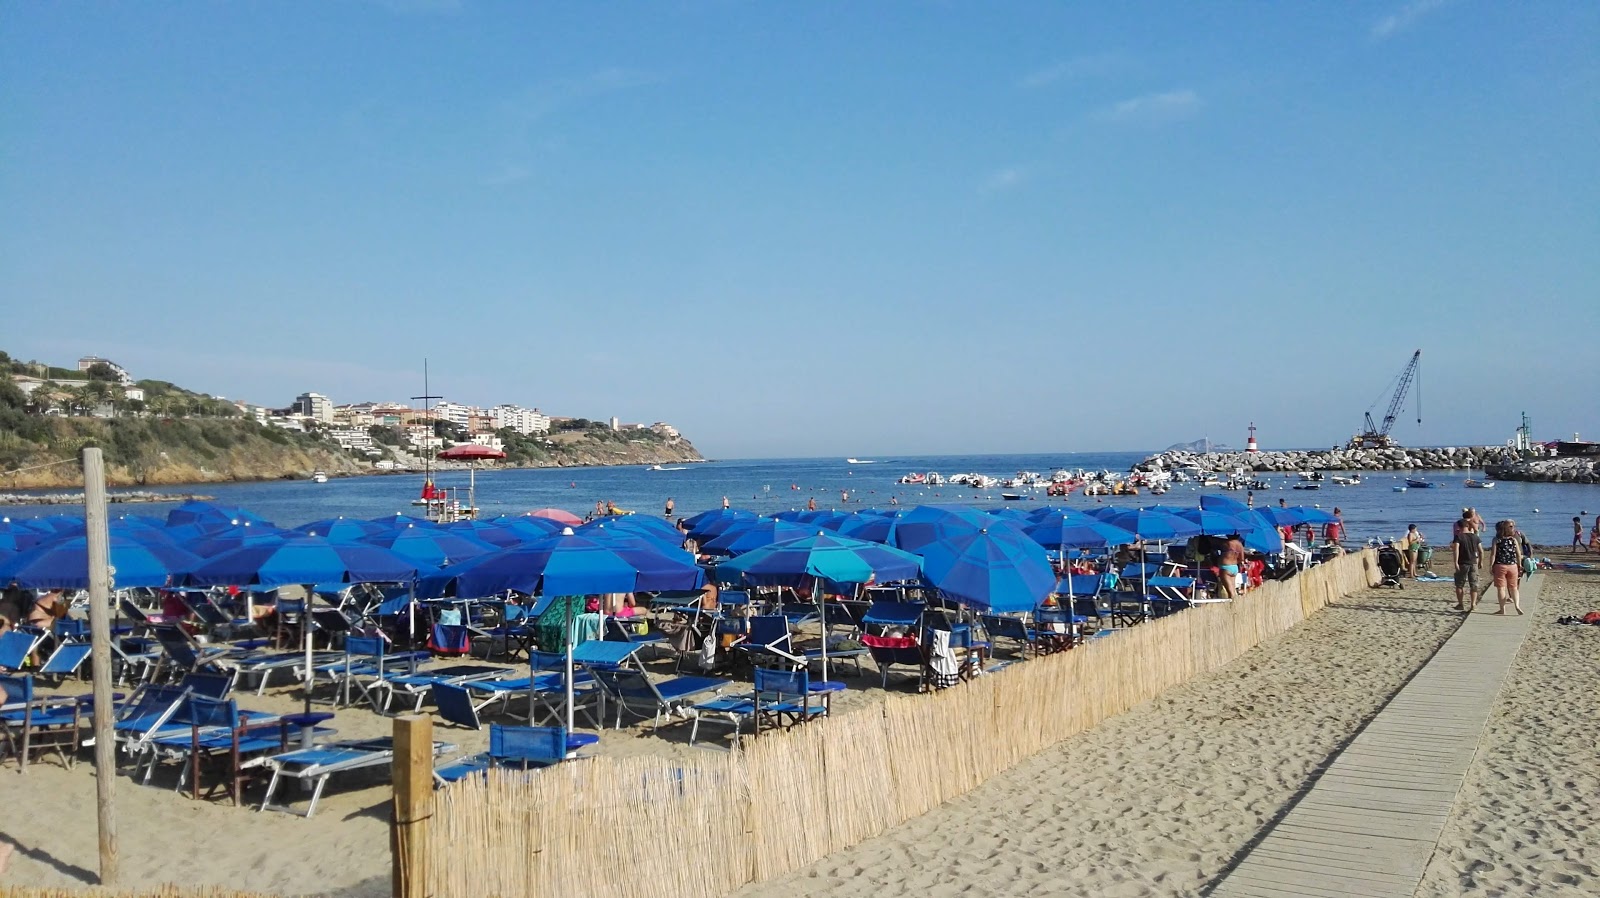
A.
x: 823, y: 228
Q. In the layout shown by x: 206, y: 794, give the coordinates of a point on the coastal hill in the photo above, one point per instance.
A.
x: 1200, y: 445
x: 171, y: 435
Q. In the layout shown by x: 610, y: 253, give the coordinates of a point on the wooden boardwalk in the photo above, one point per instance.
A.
x: 1368, y: 825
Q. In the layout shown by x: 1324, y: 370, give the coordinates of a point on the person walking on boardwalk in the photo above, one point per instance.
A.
x: 1468, y: 549
x: 1507, y: 565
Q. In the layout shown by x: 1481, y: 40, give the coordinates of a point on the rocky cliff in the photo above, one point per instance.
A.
x: 1549, y: 470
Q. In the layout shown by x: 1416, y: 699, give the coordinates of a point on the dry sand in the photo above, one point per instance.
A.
x: 1155, y: 802
x: 1528, y: 819
x: 1158, y: 800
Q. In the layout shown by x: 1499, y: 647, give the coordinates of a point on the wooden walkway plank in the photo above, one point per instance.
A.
x: 1370, y: 821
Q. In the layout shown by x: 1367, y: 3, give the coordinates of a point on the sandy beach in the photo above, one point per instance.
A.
x: 1155, y: 802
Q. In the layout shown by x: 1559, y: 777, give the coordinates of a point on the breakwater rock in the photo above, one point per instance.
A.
x: 1548, y: 470
x: 113, y: 498
x: 1396, y: 459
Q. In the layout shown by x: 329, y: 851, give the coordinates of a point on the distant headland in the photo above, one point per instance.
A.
x: 156, y: 433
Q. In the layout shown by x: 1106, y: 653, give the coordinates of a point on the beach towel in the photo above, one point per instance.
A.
x: 942, y: 661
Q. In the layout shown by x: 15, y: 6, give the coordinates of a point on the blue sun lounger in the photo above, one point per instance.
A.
x: 517, y: 748
x: 316, y: 765
x: 633, y: 692
x: 66, y: 660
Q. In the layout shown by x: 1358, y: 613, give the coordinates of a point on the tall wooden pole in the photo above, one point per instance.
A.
x: 105, y: 746
x: 413, y: 805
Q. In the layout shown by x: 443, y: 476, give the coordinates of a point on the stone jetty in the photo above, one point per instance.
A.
x: 114, y: 498
x: 1396, y: 459
x: 1549, y: 470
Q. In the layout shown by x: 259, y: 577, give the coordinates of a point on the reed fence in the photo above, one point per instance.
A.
x: 646, y: 827
x: 154, y: 892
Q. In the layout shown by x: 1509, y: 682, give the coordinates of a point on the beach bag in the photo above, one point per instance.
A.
x: 708, y: 652
x: 1529, y: 565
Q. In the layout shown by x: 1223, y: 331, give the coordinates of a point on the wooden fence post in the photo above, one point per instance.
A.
x: 96, y: 529
x: 413, y: 805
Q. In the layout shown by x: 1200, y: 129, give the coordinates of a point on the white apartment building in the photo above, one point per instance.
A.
x: 315, y: 406
x: 523, y: 420
x: 353, y: 438
x: 454, y: 412
x: 89, y: 361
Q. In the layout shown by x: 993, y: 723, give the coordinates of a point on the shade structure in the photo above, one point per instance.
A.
x: 643, y: 525
x: 210, y: 514
x: 877, y: 528
x: 345, y: 529
x: 610, y: 531
x: 1216, y: 523
x: 216, y: 542
x: 492, y: 532
x: 559, y: 515
x: 1077, y: 532
x: 994, y: 570
x: 1309, y: 515
x: 63, y: 563
x: 714, y: 523
x: 431, y: 546
x: 471, y: 452
x: 304, y: 560
x: 565, y: 564
x: 745, y: 536
x: 928, y: 523
x: 826, y: 556
x: 1279, y: 517
x: 1224, y: 504
x: 1265, y: 537
x: 1149, y: 523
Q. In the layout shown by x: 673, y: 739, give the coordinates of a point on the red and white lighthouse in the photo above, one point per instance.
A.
x: 1250, y: 445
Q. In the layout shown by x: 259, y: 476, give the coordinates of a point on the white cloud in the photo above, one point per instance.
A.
x: 1405, y: 17
x: 1091, y: 66
x: 1155, y: 109
x: 1003, y: 179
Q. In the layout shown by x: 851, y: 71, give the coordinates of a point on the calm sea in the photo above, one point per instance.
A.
x: 1543, y: 510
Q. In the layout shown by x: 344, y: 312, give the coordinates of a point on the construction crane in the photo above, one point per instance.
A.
x: 1377, y: 436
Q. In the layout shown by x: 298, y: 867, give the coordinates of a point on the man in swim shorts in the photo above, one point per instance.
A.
x: 1468, y: 550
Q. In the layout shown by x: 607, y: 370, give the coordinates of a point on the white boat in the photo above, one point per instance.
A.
x: 859, y: 461
x: 659, y: 468
x: 319, y: 477
x: 1350, y: 480
x: 1476, y: 484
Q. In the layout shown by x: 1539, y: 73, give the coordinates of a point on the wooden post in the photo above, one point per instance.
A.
x: 413, y: 805
x: 105, y: 746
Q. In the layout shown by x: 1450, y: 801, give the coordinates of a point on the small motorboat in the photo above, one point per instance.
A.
x: 1419, y: 484
x: 319, y: 477
x: 1012, y: 497
x: 859, y: 461
x: 1352, y: 480
x: 1308, y: 485
x: 1400, y: 489
x: 1478, y: 484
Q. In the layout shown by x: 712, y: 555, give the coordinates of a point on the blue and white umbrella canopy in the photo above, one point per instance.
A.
x: 345, y: 529
x: 210, y: 514
x: 566, y: 564
x: 1077, y: 531
x: 1152, y: 523
x: 929, y: 523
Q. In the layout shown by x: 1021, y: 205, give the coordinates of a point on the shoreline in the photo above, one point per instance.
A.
x: 27, y: 495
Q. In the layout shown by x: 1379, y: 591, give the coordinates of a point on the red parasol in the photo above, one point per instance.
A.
x: 471, y: 452
x: 557, y: 515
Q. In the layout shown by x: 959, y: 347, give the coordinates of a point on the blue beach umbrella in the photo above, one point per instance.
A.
x: 749, y: 535
x: 1153, y: 524
x: 219, y: 541
x: 63, y: 563
x: 304, y: 561
x: 825, y: 556
x: 1216, y: 523
x: 877, y: 528
x: 655, y: 529
x: 210, y: 514
x: 560, y: 565
x: 300, y: 561
x: 1078, y: 532
x: 929, y: 523
x: 607, y: 533
x: 344, y: 529
x: 1224, y: 504
x: 988, y: 569
x: 431, y: 546
x: 711, y: 524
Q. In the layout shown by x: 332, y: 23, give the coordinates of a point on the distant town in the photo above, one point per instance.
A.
x: 99, y: 387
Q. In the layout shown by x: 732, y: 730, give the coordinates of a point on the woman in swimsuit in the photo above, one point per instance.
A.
x: 1507, y: 565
